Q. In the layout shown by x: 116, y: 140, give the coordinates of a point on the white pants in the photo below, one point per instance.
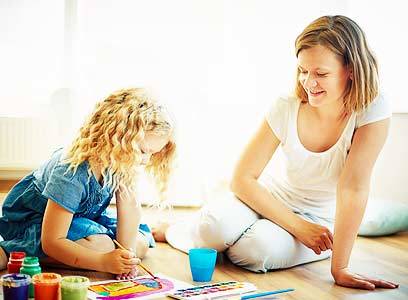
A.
x: 249, y: 240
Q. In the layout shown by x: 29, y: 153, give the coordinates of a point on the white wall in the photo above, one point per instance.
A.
x: 217, y: 65
x: 390, y: 176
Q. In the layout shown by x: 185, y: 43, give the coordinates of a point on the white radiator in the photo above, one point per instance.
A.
x: 24, y: 144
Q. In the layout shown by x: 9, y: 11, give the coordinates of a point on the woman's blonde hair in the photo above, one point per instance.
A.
x: 345, y: 38
x: 110, y: 139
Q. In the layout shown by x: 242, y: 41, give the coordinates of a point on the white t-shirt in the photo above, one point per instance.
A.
x: 310, y: 178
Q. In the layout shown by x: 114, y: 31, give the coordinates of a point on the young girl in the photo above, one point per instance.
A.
x: 60, y: 210
x: 331, y: 132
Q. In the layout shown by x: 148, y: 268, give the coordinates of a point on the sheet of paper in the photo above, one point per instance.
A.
x: 142, y: 287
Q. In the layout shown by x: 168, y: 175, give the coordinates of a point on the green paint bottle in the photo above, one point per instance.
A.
x: 74, y: 288
x: 30, y: 266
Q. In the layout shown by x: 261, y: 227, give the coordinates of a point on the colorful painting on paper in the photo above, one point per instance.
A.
x: 128, y: 289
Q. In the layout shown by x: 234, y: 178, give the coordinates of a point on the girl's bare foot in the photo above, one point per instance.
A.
x: 131, y: 275
x: 159, y: 231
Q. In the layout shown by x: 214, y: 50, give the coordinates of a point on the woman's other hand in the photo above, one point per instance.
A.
x: 314, y: 236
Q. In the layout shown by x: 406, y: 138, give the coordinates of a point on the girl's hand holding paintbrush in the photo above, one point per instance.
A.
x: 139, y: 264
x: 121, y: 261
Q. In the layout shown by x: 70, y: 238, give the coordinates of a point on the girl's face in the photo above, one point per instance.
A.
x: 322, y: 75
x: 152, y: 143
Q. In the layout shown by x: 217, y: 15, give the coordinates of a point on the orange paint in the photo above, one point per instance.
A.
x: 47, y: 286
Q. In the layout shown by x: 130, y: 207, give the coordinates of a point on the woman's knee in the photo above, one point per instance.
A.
x: 98, y: 242
x: 220, y: 226
x: 264, y: 246
x: 212, y: 231
x: 209, y: 233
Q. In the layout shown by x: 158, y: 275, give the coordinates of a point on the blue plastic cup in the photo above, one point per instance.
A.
x: 202, y: 263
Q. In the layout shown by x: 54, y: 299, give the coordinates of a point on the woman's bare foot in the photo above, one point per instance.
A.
x: 159, y: 231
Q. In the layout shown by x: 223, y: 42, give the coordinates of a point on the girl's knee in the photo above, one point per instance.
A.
x: 142, y: 246
x: 3, y: 259
x: 98, y: 242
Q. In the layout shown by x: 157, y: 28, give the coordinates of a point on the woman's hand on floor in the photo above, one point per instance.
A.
x: 345, y: 278
x: 314, y: 236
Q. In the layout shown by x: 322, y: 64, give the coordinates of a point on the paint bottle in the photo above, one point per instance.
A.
x: 15, y: 262
x: 47, y: 286
x: 30, y: 267
x: 74, y: 288
x: 15, y: 286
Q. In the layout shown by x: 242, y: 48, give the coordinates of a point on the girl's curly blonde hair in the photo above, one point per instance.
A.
x: 111, y: 136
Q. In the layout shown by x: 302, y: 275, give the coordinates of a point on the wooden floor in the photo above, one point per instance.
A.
x: 385, y: 257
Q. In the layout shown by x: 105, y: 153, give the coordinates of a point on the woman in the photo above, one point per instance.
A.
x: 331, y: 132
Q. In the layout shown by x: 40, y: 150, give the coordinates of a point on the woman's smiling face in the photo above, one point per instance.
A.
x: 322, y: 75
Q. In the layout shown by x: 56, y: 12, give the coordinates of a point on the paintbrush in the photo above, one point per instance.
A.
x: 140, y: 265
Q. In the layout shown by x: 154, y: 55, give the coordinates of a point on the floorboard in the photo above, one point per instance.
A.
x: 385, y: 257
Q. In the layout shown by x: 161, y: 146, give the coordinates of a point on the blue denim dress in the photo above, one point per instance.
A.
x: 79, y: 193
